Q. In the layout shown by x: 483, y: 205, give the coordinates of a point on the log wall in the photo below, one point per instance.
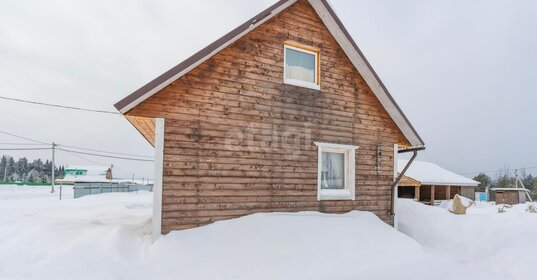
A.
x: 239, y: 141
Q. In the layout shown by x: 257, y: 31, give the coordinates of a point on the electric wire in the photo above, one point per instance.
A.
x: 59, y: 106
x: 106, y: 156
x: 25, y: 138
x: 102, y: 151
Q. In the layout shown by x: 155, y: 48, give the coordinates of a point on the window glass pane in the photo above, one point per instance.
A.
x: 332, y: 171
x: 300, y: 66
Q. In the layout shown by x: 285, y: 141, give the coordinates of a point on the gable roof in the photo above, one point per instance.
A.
x: 428, y: 173
x: 336, y: 28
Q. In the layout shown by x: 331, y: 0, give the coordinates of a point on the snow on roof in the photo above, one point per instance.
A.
x: 429, y: 173
x: 94, y: 169
x: 510, y: 189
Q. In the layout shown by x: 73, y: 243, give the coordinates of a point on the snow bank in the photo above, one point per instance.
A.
x: 107, y: 236
x: 304, y: 245
x: 42, y: 237
x: 499, y: 243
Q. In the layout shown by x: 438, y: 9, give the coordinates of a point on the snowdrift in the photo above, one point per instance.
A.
x: 304, y: 245
x: 107, y: 236
x: 502, y: 244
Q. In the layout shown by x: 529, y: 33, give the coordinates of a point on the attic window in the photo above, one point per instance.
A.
x: 301, y: 67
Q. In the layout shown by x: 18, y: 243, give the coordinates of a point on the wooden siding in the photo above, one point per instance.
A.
x: 409, y: 182
x: 440, y: 192
x: 456, y: 190
x: 508, y: 197
x: 238, y: 141
x: 146, y: 126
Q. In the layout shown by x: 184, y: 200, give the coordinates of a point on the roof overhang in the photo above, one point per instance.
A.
x: 454, y: 184
x: 137, y: 97
x: 449, y: 184
x: 510, y: 189
x: 334, y: 25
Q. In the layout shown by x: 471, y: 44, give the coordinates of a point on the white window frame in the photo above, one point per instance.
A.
x: 348, y: 192
x: 300, y: 83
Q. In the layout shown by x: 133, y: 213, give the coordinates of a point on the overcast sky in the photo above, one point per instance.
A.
x: 464, y: 72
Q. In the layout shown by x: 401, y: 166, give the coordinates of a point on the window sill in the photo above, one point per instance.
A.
x: 299, y: 83
x: 335, y: 195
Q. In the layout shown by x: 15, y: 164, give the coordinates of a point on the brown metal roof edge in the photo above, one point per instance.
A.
x: 349, y: 37
x: 222, y: 40
x: 195, y: 57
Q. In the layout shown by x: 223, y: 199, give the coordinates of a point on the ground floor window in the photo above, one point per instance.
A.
x: 335, y: 167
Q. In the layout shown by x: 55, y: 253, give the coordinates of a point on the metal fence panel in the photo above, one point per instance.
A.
x: 82, y: 189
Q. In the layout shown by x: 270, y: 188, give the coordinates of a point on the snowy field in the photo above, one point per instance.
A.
x: 107, y: 236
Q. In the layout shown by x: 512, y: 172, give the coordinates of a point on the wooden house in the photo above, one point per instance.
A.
x: 427, y: 182
x: 284, y: 113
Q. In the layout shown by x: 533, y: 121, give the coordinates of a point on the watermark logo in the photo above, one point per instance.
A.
x: 291, y: 141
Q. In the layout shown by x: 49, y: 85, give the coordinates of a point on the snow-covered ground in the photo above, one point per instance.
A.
x: 501, y: 244
x: 107, y: 236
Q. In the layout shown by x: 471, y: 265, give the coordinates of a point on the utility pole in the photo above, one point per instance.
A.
x: 53, y: 168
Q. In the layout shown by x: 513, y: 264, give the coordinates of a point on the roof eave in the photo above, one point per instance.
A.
x: 450, y: 184
x: 333, y: 23
x: 361, y: 63
x: 135, y: 98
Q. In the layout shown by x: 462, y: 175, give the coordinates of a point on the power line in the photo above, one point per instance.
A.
x: 22, y: 144
x: 60, y: 106
x: 84, y: 158
x: 97, y: 162
x: 25, y: 138
x: 23, y: 149
x: 73, y: 147
x: 98, y: 155
x: 497, y: 170
x: 102, y: 151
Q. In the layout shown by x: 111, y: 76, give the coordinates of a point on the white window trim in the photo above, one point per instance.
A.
x: 300, y: 83
x: 348, y: 193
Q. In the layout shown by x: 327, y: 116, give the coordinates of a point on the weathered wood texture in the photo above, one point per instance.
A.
x: 440, y: 192
x: 507, y: 197
x: 409, y: 182
x: 425, y: 193
x: 456, y: 190
x: 238, y: 141
x: 146, y: 126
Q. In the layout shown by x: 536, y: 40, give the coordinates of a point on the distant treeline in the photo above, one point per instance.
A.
x: 506, y: 179
x: 23, y: 170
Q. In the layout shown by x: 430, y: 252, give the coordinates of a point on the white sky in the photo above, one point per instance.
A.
x: 463, y: 71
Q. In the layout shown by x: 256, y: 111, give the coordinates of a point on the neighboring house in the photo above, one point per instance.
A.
x: 79, y: 173
x: 427, y: 182
x: 284, y: 113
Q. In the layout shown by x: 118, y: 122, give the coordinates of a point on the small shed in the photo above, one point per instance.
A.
x: 427, y: 182
x: 510, y: 195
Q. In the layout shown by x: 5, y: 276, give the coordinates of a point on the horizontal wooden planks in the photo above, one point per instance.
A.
x: 238, y: 141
